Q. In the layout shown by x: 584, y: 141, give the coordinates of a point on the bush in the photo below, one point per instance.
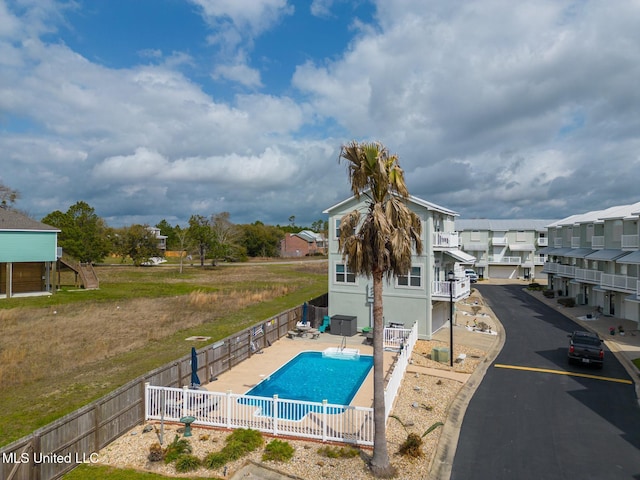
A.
x: 278, y: 451
x: 567, y: 301
x: 178, y: 447
x: 187, y: 463
x: 549, y: 293
x: 338, y: 452
x: 250, y: 439
x: 535, y: 286
x: 411, y: 447
x: 155, y: 453
x: 215, y: 460
x: 238, y: 443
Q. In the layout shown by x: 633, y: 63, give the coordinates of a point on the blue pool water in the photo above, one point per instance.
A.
x: 310, y: 376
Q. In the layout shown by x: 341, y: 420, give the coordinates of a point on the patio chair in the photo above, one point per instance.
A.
x: 325, y: 324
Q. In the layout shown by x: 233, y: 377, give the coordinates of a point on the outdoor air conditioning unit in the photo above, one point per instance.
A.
x: 440, y: 354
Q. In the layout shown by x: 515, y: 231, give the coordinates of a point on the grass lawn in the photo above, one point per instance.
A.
x: 636, y: 362
x: 60, y: 352
x: 100, y: 472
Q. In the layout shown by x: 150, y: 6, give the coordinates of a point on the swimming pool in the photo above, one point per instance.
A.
x: 310, y: 376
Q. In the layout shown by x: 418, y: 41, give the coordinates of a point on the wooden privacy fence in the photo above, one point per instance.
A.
x: 57, y: 448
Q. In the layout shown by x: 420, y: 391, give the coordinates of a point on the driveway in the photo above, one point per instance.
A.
x: 536, y: 417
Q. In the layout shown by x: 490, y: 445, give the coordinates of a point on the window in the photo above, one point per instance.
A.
x: 344, y: 275
x: 412, y: 279
x: 338, y: 220
x: 475, y: 235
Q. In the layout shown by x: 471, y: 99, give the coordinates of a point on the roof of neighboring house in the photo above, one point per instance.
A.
x: 615, y: 212
x: 501, y: 225
x: 309, y: 236
x: 16, y: 221
x: 411, y: 198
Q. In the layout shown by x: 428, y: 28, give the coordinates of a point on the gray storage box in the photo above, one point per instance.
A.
x: 344, y: 325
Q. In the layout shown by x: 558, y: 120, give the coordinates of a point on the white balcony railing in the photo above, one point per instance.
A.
x: 550, y: 267
x: 499, y: 240
x: 557, y: 243
x: 440, y: 290
x: 446, y: 240
x: 566, y: 271
x: 588, y: 276
x: 543, y: 241
x: 619, y: 282
x: 630, y: 241
x: 597, y: 241
x: 575, y: 242
x: 505, y: 260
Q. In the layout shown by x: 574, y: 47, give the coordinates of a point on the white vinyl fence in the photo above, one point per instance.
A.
x: 294, y: 418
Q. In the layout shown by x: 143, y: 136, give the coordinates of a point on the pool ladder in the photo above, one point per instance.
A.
x: 343, y: 343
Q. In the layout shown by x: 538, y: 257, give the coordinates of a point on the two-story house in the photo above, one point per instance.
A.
x: 28, y: 253
x: 302, y: 243
x: 594, y: 257
x: 423, y: 294
x: 505, y: 248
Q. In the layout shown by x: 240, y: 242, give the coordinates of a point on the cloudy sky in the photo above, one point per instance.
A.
x: 153, y: 109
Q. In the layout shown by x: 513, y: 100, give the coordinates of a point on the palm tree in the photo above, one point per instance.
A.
x: 378, y: 244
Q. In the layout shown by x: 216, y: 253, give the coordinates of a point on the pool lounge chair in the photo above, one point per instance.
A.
x: 325, y: 324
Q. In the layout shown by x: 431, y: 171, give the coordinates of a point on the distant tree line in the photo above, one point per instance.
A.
x: 87, y: 237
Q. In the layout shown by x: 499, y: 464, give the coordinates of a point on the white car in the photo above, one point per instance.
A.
x: 472, y: 275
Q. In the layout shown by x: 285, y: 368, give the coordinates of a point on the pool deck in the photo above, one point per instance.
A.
x: 250, y: 372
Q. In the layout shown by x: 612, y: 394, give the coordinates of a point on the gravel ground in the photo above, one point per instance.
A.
x: 423, y: 400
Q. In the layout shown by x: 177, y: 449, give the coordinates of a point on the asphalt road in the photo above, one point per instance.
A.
x: 536, y: 417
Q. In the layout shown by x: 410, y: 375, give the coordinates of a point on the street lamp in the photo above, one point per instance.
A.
x: 451, y: 277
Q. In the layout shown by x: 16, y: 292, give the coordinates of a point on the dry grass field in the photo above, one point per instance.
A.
x: 60, y: 352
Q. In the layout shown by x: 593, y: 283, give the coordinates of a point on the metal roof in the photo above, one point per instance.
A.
x: 411, y: 198
x: 595, y: 216
x: 504, y: 225
x: 605, y: 255
x: 633, y: 257
x: 579, y: 252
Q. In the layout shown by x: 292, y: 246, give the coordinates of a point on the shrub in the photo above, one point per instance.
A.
x: 155, y: 452
x: 567, y: 302
x: 187, y: 463
x: 549, y: 293
x: 278, y: 451
x: 215, y: 460
x: 535, y: 286
x: 178, y: 447
x: 338, y: 452
x: 411, y: 447
x: 238, y: 443
x: 251, y: 439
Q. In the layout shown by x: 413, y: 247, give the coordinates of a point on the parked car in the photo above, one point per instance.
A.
x: 586, y: 348
x: 471, y: 274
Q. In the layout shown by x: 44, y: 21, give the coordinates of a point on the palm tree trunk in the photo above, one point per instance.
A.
x: 380, y: 464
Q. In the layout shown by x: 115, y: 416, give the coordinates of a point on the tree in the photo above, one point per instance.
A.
x: 136, y: 242
x: 8, y: 196
x: 170, y: 232
x: 199, y: 233
x: 83, y: 234
x: 182, y: 237
x: 261, y: 240
x: 378, y: 245
x: 225, y: 237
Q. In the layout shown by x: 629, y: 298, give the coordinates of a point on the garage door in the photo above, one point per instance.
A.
x: 503, y: 271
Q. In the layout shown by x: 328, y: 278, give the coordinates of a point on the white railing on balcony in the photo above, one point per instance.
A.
x: 566, y: 270
x: 619, y: 282
x: 440, y: 290
x: 557, y: 243
x: 499, y: 240
x: 446, y: 240
x: 630, y: 241
x: 588, y: 276
x: 293, y: 418
x: 575, y: 242
x: 538, y: 260
x: 597, y: 241
x: 550, y: 267
x: 543, y: 241
x: 505, y: 260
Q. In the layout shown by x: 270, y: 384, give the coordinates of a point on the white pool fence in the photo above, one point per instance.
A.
x: 280, y: 417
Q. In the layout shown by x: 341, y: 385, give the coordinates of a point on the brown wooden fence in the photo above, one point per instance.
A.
x: 57, y: 448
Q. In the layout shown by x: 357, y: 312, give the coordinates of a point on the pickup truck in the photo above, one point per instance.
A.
x: 585, y: 348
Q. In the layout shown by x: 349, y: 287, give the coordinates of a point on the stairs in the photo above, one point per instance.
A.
x: 85, y: 272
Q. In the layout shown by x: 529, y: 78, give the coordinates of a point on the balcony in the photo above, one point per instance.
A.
x: 566, y: 271
x: 597, y: 241
x: 504, y: 260
x: 557, y: 243
x: 575, y: 242
x: 440, y: 290
x: 620, y: 283
x: 446, y: 240
x: 499, y: 240
x: 630, y: 241
x: 588, y: 276
x: 543, y: 241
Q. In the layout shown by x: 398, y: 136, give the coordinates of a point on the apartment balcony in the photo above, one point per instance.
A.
x: 550, y: 267
x: 496, y: 259
x: 538, y: 260
x: 499, y: 240
x: 597, y: 241
x: 566, y: 271
x: 575, y: 242
x: 440, y: 290
x: 588, y: 276
x: 542, y: 241
x: 630, y: 241
x: 557, y: 243
x: 620, y: 283
x: 446, y: 240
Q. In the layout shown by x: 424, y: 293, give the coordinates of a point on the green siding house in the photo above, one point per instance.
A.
x: 28, y: 252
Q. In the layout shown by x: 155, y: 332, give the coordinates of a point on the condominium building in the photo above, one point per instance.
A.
x: 594, y: 257
x: 504, y: 248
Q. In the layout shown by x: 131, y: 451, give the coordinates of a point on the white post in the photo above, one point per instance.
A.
x: 324, y: 420
x: 275, y: 415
